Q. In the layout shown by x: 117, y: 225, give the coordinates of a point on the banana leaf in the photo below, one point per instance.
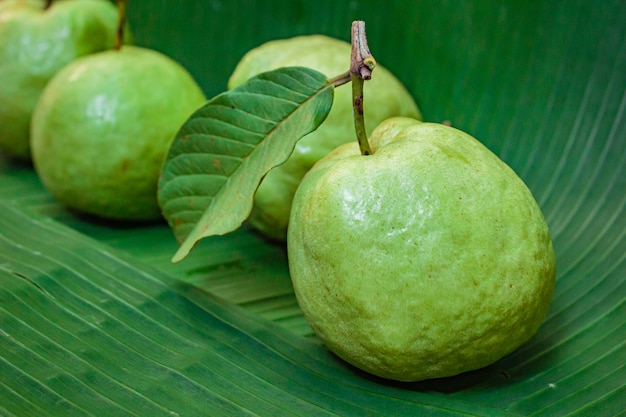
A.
x: 96, y: 320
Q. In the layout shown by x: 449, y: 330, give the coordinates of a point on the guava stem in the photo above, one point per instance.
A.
x: 121, y: 23
x: 47, y: 4
x: 357, y: 114
x: 362, y: 64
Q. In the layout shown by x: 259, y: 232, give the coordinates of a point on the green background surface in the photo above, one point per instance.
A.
x: 94, y: 319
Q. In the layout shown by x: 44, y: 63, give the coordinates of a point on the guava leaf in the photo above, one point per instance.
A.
x: 223, y: 151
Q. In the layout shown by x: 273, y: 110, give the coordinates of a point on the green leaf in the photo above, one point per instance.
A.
x: 221, y: 154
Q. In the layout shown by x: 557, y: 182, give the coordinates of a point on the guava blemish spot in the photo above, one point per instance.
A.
x: 217, y: 163
x: 124, y: 166
x: 452, y: 153
x: 358, y: 103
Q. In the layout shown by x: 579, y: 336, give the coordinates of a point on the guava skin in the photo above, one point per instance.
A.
x: 34, y: 45
x: 103, y: 126
x: 427, y: 259
x: 386, y: 95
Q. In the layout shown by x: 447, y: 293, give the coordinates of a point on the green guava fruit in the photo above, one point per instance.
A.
x: 35, y: 43
x: 387, y: 95
x: 427, y: 259
x: 103, y: 126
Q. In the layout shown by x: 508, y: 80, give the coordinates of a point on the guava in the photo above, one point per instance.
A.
x: 35, y: 43
x: 427, y: 259
x: 103, y: 126
x: 330, y: 56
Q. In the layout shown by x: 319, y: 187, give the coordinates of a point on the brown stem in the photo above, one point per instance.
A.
x: 361, y: 65
x: 121, y: 24
x: 362, y: 62
x: 47, y: 4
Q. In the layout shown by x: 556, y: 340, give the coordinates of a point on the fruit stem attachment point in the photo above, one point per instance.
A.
x: 361, y: 65
x: 121, y: 24
x: 47, y: 4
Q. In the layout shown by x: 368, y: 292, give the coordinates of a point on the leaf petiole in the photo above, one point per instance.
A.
x: 340, y: 79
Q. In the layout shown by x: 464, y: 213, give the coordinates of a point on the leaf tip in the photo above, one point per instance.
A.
x: 180, y: 254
